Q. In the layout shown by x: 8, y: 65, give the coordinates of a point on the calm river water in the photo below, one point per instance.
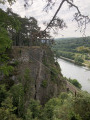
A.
x: 73, y: 71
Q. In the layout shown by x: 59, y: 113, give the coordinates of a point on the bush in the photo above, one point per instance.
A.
x: 34, y: 110
x: 79, y: 60
x: 44, y: 83
x: 3, y: 93
x: 17, y: 93
x: 54, y: 73
x: 75, y: 83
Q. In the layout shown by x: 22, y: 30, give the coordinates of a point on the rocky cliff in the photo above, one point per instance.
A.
x: 37, y: 70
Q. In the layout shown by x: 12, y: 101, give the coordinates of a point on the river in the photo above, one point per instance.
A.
x: 82, y: 74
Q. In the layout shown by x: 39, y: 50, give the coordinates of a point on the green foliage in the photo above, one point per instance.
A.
x: 3, y: 93
x: 82, y: 105
x: 89, y: 64
x: 70, y: 44
x: 6, y: 69
x: 5, y: 41
x: 44, y: 83
x: 83, y: 49
x: 28, y: 80
x: 6, y: 22
x: 28, y: 33
x: 67, y: 107
x: 58, y: 67
x: 69, y: 55
x: 28, y: 115
x: 16, y: 63
x: 45, y: 61
x: 34, y: 110
x: 17, y: 93
x: 75, y: 82
x: 4, y: 58
x: 8, y: 82
x: 27, y: 74
x: 64, y: 107
x: 7, y: 109
x: 7, y: 103
x: 79, y: 60
x: 49, y: 108
x: 63, y: 95
x: 74, y: 116
x: 72, y: 48
x: 54, y: 73
x: 9, y: 1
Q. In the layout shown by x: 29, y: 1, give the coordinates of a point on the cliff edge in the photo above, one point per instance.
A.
x: 37, y: 70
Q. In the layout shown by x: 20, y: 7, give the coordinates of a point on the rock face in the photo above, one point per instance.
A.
x: 38, y: 72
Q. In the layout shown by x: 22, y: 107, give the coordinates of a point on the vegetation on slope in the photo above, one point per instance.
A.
x: 74, y: 82
x: 64, y: 107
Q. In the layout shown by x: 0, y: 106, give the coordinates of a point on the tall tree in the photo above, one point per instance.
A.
x: 6, y: 22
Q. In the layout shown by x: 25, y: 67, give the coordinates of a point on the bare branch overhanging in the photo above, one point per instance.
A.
x: 55, y: 14
x: 80, y: 18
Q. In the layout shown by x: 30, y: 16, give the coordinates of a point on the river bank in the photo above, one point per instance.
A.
x: 67, y: 59
x: 72, y: 61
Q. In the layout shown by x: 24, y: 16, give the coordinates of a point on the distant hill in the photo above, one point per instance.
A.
x: 64, y: 38
x: 72, y: 38
x: 68, y: 48
x: 70, y: 44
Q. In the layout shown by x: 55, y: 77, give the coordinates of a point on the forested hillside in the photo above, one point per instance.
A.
x: 77, y: 49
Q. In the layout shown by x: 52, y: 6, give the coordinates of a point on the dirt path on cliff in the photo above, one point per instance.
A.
x: 72, y: 88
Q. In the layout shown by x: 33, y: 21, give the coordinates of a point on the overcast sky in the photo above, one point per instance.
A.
x: 36, y: 10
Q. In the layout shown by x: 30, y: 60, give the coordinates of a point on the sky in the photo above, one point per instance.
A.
x: 36, y: 10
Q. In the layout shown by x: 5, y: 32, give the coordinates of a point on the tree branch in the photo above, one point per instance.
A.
x: 55, y: 14
x: 82, y: 20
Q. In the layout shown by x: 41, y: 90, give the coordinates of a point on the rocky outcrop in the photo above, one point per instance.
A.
x: 38, y: 72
